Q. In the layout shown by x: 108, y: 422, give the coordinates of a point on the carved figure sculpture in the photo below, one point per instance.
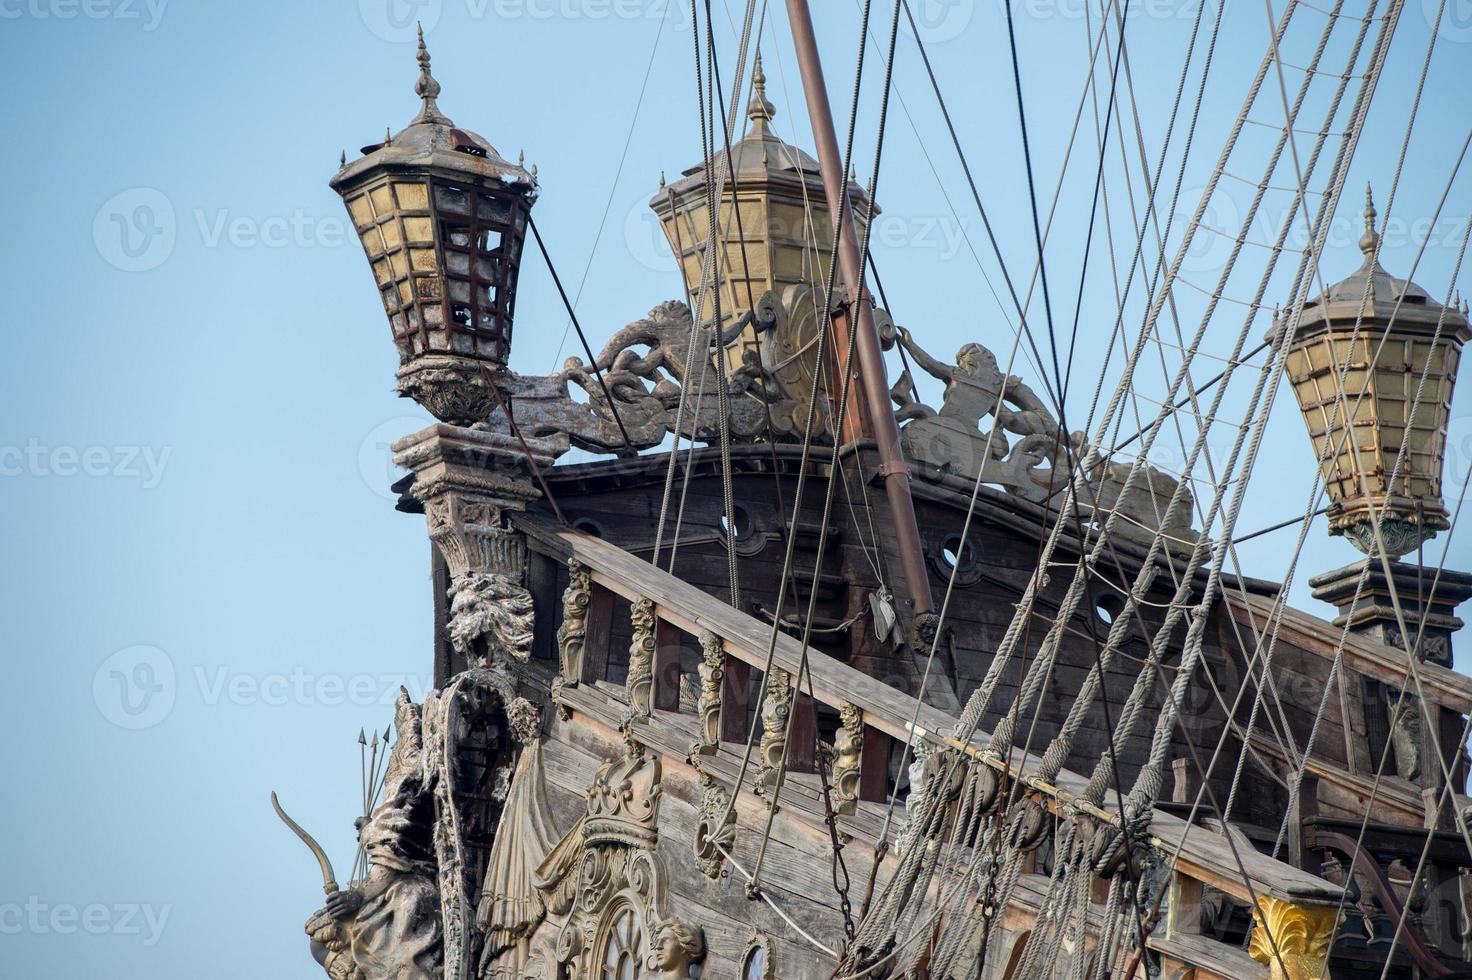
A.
x: 676, y: 947
x: 776, y: 708
x: 712, y: 673
x: 848, y: 747
x: 388, y: 926
x: 640, y: 681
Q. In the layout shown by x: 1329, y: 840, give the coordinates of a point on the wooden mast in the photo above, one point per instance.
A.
x: 873, y: 385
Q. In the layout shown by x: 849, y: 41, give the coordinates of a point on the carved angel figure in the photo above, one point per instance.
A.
x: 387, y: 926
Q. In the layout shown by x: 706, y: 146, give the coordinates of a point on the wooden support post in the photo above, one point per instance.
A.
x: 1183, y: 915
x: 874, y: 767
x: 1307, y: 808
x: 735, y: 699
x: 667, y: 646
x: 600, y: 629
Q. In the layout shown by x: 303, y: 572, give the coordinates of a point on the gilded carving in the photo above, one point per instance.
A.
x: 708, y: 707
x: 776, y: 708
x: 848, y: 747
x: 1299, y: 942
x: 640, y: 682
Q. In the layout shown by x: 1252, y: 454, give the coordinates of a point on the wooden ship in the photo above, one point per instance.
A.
x: 798, y: 677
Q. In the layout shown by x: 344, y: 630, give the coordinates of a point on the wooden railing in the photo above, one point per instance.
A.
x: 734, y: 644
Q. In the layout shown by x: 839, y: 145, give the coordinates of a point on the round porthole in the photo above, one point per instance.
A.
x: 588, y: 526
x: 756, y: 964
x: 745, y: 526
x: 1108, y: 607
x: 958, y: 555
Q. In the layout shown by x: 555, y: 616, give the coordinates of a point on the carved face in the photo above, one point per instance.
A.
x: 973, y: 359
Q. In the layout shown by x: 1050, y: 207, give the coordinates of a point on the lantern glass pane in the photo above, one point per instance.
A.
x: 451, y: 199
x: 418, y: 229
x: 360, y: 211
x: 382, y: 203
x: 412, y: 197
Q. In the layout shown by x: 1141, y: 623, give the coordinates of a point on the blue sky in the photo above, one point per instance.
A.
x: 210, y: 591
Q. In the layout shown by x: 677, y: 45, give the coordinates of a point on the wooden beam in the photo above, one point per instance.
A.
x: 1375, y: 660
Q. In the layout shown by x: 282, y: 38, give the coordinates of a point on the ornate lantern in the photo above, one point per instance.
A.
x: 1378, y: 393
x: 784, y: 221
x: 442, y: 218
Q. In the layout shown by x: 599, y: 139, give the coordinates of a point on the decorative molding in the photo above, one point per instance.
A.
x: 776, y: 708
x: 848, y: 748
x: 623, y: 800
x: 708, y: 706
x: 608, y: 865
x: 640, y: 683
x: 715, y: 824
x: 758, y: 942
x: 1300, y: 937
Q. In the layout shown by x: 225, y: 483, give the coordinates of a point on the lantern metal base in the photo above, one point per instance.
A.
x: 452, y: 388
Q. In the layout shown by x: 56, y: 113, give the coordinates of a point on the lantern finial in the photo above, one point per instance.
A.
x: 1369, y: 241
x: 759, y: 110
x: 427, y: 88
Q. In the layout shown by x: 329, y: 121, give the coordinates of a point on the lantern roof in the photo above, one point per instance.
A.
x: 433, y: 141
x: 1372, y: 294
x: 762, y: 156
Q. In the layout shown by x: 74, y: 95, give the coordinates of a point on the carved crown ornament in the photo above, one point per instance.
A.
x: 607, y: 877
